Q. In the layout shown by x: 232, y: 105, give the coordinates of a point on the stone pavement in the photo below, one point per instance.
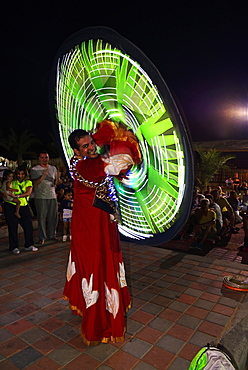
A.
x: 179, y: 305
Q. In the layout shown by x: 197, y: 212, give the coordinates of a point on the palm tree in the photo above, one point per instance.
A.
x: 18, y: 145
x: 210, y: 162
x: 52, y: 146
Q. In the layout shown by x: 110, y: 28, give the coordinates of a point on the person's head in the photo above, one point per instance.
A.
x: 210, y: 198
x: 219, y: 188
x: 61, y: 192
x: 21, y: 173
x: 82, y: 144
x: 43, y: 158
x: 216, y: 194
x: 199, y: 198
x: 233, y: 194
x: 8, y: 175
x: 68, y: 195
x: 205, y: 203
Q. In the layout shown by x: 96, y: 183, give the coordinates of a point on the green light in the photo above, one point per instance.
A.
x: 96, y: 81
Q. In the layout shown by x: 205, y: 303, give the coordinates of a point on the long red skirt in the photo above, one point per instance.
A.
x: 96, y: 286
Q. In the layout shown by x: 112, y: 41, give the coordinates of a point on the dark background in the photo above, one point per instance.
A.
x: 200, y: 50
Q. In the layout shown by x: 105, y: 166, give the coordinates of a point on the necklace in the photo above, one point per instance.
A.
x: 105, y: 190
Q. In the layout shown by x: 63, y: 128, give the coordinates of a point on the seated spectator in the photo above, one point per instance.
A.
x: 242, y: 187
x: 197, y: 196
x: 229, y: 183
x: 244, y: 247
x: 204, y: 225
x: 226, y: 210
x: 207, y: 191
x: 235, y: 183
x: 219, y: 188
x: 216, y: 208
x: 244, y: 201
x: 234, y: 202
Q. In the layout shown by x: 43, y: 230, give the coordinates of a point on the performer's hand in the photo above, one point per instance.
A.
x: 113, y: 218
x: 105, y: 152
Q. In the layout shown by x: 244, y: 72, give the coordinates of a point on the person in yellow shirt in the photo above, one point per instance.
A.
x: 204, y: 225
x: 24, y: 189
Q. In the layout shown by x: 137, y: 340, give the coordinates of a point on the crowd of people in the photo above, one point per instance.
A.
x: 43, y: 192
x: 215, y: 213
x: 95, y: 285
x: 48, y: 194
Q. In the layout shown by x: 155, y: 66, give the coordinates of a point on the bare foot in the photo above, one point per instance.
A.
x: 17, y: 215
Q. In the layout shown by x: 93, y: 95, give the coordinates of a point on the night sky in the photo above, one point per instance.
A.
x: 201, y: 52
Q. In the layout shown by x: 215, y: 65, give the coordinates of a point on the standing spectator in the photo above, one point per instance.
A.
x: 60, y: 195
x: 24, y: 187
x: 45, y: 178
x: 9, y: 191
x: 65, y: 211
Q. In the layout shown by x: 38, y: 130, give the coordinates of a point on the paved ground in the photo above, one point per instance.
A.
x: 179, y: 305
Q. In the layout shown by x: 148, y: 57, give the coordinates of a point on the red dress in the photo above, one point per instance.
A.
x: 95, y: 287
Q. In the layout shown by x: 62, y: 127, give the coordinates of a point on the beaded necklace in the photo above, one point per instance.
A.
x: 105, y: 190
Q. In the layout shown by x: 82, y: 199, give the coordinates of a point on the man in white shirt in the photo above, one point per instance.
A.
x: 45, y: 178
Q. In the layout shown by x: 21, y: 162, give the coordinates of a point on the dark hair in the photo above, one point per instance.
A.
x: 21, y: 168
x: 205, y: 201
x: 44, y: 151
x: 215, y: 192
x: 6, y: 173
x: 75, y: 136
x: 68, y: 191
x: 210, y: 197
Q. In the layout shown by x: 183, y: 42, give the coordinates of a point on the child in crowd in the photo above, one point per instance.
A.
x: 8, y: 191
x: 65, y: 211
x: 60, y: 195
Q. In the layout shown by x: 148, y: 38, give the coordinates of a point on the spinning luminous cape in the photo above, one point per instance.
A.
x: 97, y: 75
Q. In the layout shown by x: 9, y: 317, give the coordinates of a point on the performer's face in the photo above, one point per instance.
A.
x: 86, y: 147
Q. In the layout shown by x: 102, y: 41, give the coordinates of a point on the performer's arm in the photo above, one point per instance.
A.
x: 117, y: 163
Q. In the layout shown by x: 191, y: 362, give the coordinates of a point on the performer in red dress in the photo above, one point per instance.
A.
x: 96, y: 286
